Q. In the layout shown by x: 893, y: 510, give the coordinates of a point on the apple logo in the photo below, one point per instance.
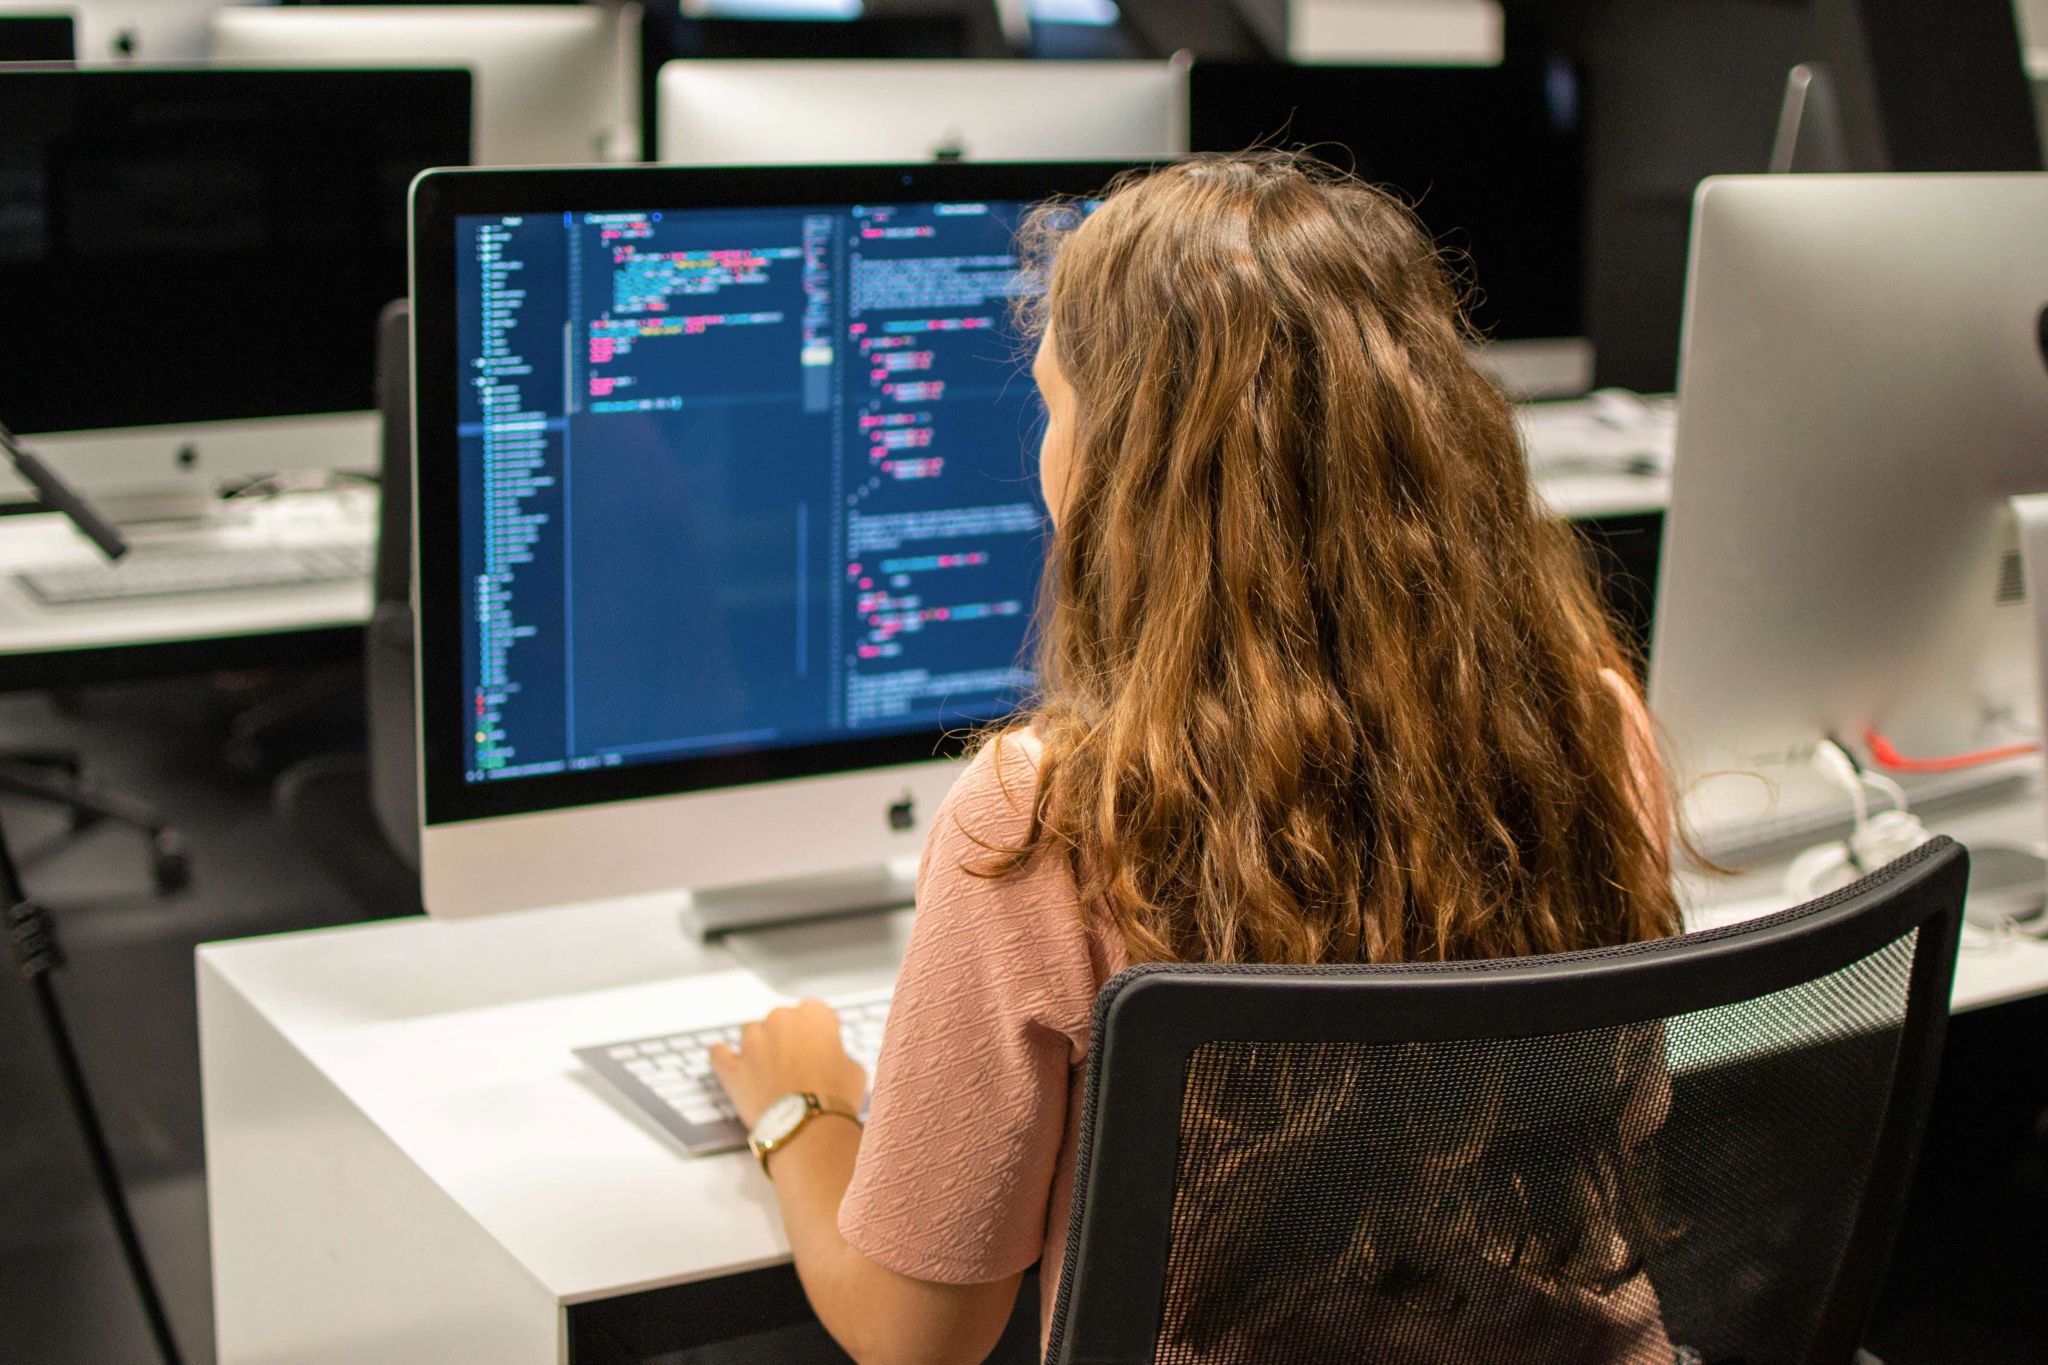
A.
x: 903, y: 814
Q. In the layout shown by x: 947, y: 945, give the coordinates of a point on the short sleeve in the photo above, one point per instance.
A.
x: 968, y: 1114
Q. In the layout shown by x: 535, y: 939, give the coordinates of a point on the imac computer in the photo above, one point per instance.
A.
x: 555, y: 84
x: 740, y: 113
x: 191, y: 266
x: 1493, y: 159
x: 1864, y: 390
x: 727, y: 520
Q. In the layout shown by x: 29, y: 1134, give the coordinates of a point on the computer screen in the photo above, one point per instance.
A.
x: 740, y: 478
x: 725, y: 475
x: 37, y: 38
x: 1493, y: 159
x: 199, y: 246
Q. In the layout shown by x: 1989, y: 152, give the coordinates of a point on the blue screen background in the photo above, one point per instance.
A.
x: 735, y: 480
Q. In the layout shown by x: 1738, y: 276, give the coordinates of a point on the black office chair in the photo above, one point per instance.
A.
x: 1474, y: 1161
x: 358, y: 814
x: 58, y: 777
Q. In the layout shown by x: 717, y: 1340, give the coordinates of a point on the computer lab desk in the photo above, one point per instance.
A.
x: 405, y: 1164
x: 42, y: 646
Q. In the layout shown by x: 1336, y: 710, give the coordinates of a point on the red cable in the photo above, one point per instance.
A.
x: 1890, y: 758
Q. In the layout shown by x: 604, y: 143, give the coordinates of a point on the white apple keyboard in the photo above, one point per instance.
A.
x: 668, y: 1077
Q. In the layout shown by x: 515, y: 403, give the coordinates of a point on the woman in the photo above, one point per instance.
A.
x: 1319, y: 684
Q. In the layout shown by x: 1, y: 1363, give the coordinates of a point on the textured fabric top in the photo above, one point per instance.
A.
x: 966, y: 1171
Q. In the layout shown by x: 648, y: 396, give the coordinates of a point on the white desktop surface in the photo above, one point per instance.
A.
x: 1587, y: 496
x: 1990, y: 969
x: 451, y: 1040
x: 406, y: 1163
x: 45, y: 539
x: 454, y: 1039
x: 1603, y: 456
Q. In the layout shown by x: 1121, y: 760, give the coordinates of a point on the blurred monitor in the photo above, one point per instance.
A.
x: 37, y: 37
x: 107, y: 31
x: 779, y: 113
x: 1071, y: 29
x: 1493, y: 159
x: 1932, y: 86
x: 669, y: 35
x: 192, y: 263
x: 772, y: 9
x: 555, y: 84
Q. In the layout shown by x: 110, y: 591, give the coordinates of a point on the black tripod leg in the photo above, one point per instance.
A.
x: 33, y: 938
x: 103, y: 1168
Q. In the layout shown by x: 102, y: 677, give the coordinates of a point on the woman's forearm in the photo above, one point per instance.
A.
x: 877, y: 1316
x: 811, y: 1175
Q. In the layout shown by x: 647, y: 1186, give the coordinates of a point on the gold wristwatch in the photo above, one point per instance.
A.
x: 781, y: 1121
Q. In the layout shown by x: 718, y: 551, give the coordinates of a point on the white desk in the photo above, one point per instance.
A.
x: 406, y: 1165
x: 1598, y: 458
x: 1990, y: 970
x: 41, y: 644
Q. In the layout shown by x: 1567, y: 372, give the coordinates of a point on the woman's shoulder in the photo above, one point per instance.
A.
x: 981, y: 864
x: 998, y: 790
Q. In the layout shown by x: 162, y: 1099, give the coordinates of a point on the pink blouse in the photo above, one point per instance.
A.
x: 966, y: 1172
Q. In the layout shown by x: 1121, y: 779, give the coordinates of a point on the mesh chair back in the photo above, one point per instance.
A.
x: 388, y: 648
x: 1686, y: 1150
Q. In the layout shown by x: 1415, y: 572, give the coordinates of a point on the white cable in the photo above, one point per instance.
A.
x: 1879, y: 782
x: 1873, y: 840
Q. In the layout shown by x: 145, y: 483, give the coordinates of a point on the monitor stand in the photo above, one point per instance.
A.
x: 2009, y: 883
x: 826, y: 959
x: 714, y: 913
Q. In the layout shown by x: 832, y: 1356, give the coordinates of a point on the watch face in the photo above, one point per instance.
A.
x: 780, y: 1119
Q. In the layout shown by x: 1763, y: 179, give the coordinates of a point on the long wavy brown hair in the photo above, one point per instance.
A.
x: 1319, y: 680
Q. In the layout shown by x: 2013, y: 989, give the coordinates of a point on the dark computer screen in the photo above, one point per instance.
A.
x: 186, y: 246
x: 1935, y: 87
x: 37, y: 38
x: 1493, y: 159
x: 736, y: 480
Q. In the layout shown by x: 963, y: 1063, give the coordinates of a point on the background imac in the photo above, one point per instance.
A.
x: 555, y: 84
x: 772, y: 9
x: 741, y: 495
x: 193, y: 261
x: 1839, y: 555
x: 736, y: 113
x: 120, y: 31
x: 1492, y: 159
